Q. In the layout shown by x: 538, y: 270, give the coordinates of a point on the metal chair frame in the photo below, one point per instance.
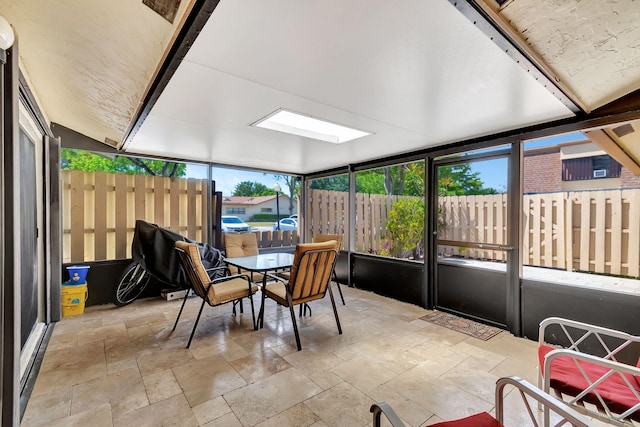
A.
x: 202, y: 290
x: 526, y: 390
x: 319, y: 274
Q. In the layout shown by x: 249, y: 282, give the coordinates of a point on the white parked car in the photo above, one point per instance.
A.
x: 233, y: 224
x: 286, y: 224
x: 294, y: 216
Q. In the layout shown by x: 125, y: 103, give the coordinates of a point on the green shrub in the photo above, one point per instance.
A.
x: 265, y: 217
x: 406, y: 226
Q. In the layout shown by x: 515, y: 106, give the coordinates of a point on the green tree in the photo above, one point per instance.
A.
x: 406, y: 226
x: 331, y: 183
x: 252, y: 189
x: 89, y: 162
x: 293, y: 188
x: 370, y: 182
x: 414, y: 179
x: 459, y: 180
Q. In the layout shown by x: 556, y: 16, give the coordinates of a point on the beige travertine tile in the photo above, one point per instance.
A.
x: 121, y: 348
x: 478, y: 383
x: 139, y: 331
x: 412, y: 413
x: 342, y: 405
x: 298, y: 415
x: 66, y: 367
x: 161, y: 386
x: 444, y: 399
x: 363, y: 373
x: 124, y: 391
x: 259, y: 365
x: 265, y: 398
x: 46, y: 407
x: 151, y: 363
x: 113, y: 330
x: 211, y: 410
x: 205, y: 379
x: 227, y: 420
x: 233, y: 375
x: 98, y: 416
x: 313, y: 361
x: 524, y: 368
x: 174, y: 411
x: 63, y: 340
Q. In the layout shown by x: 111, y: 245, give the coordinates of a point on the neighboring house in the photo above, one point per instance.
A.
x: 574, y: 166
x: 246, y: 207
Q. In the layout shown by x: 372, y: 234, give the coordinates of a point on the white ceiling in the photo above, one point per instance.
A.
x: 416, y: 73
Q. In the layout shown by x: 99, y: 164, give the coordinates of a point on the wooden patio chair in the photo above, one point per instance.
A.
x: 215, y: 291
x: 309, y: 280
x: 565, y: 415
x: 584, y: 370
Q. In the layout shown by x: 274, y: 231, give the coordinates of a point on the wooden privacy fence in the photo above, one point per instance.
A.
x: 595, y: 231
x: 100, y: 212
x: 329, y: 214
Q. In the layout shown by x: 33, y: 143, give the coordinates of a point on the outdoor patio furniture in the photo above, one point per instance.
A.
x: 311, y: 272
x: 213, y: 292
x: 585, y: 371
x: 338, y: 238
x: 319, y: 238
x: 527, y: 392
x: 242, y: 244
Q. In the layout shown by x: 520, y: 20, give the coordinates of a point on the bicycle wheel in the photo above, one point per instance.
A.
x: 131, y: 284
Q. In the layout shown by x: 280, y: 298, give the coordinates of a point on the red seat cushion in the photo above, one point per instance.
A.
x: 567, y: 378
x: 478, y: 420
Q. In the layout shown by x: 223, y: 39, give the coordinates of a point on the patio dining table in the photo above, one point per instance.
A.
x: 262, y: 263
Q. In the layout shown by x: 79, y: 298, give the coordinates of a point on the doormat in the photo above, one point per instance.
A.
x: 460, y: 324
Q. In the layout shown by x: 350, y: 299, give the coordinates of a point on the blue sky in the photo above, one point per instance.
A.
x: 493, y: 173
x: 226, y: 178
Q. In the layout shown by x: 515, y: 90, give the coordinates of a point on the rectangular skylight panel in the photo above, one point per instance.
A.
x: 309, y: 127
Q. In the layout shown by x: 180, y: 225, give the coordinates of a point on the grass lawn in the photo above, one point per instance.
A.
x: 260, y: 224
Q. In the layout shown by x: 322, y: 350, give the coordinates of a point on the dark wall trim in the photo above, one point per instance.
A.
x: 9, y: 294
x: 53, y: 228
x: 514, y: 239
x: 197, y: 18
x: 394, y: 278
x: 72, y: 139
x: 477, y: 293
x: 29, y: 101
x: 610, y: 309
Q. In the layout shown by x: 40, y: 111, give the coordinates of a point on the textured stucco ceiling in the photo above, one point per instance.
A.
x: 592, y: 46
x: 90, y: 61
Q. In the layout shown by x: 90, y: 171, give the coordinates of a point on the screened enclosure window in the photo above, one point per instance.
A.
x: 104, y: 195
x: 590, y: 168
x: 584, y: 235
x: 328, y: 207
x: 390, y: 211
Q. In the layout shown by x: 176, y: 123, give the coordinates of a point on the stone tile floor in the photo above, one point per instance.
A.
x: 125, y: 367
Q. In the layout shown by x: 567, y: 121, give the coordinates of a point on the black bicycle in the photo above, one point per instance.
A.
x: 154, y: 256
